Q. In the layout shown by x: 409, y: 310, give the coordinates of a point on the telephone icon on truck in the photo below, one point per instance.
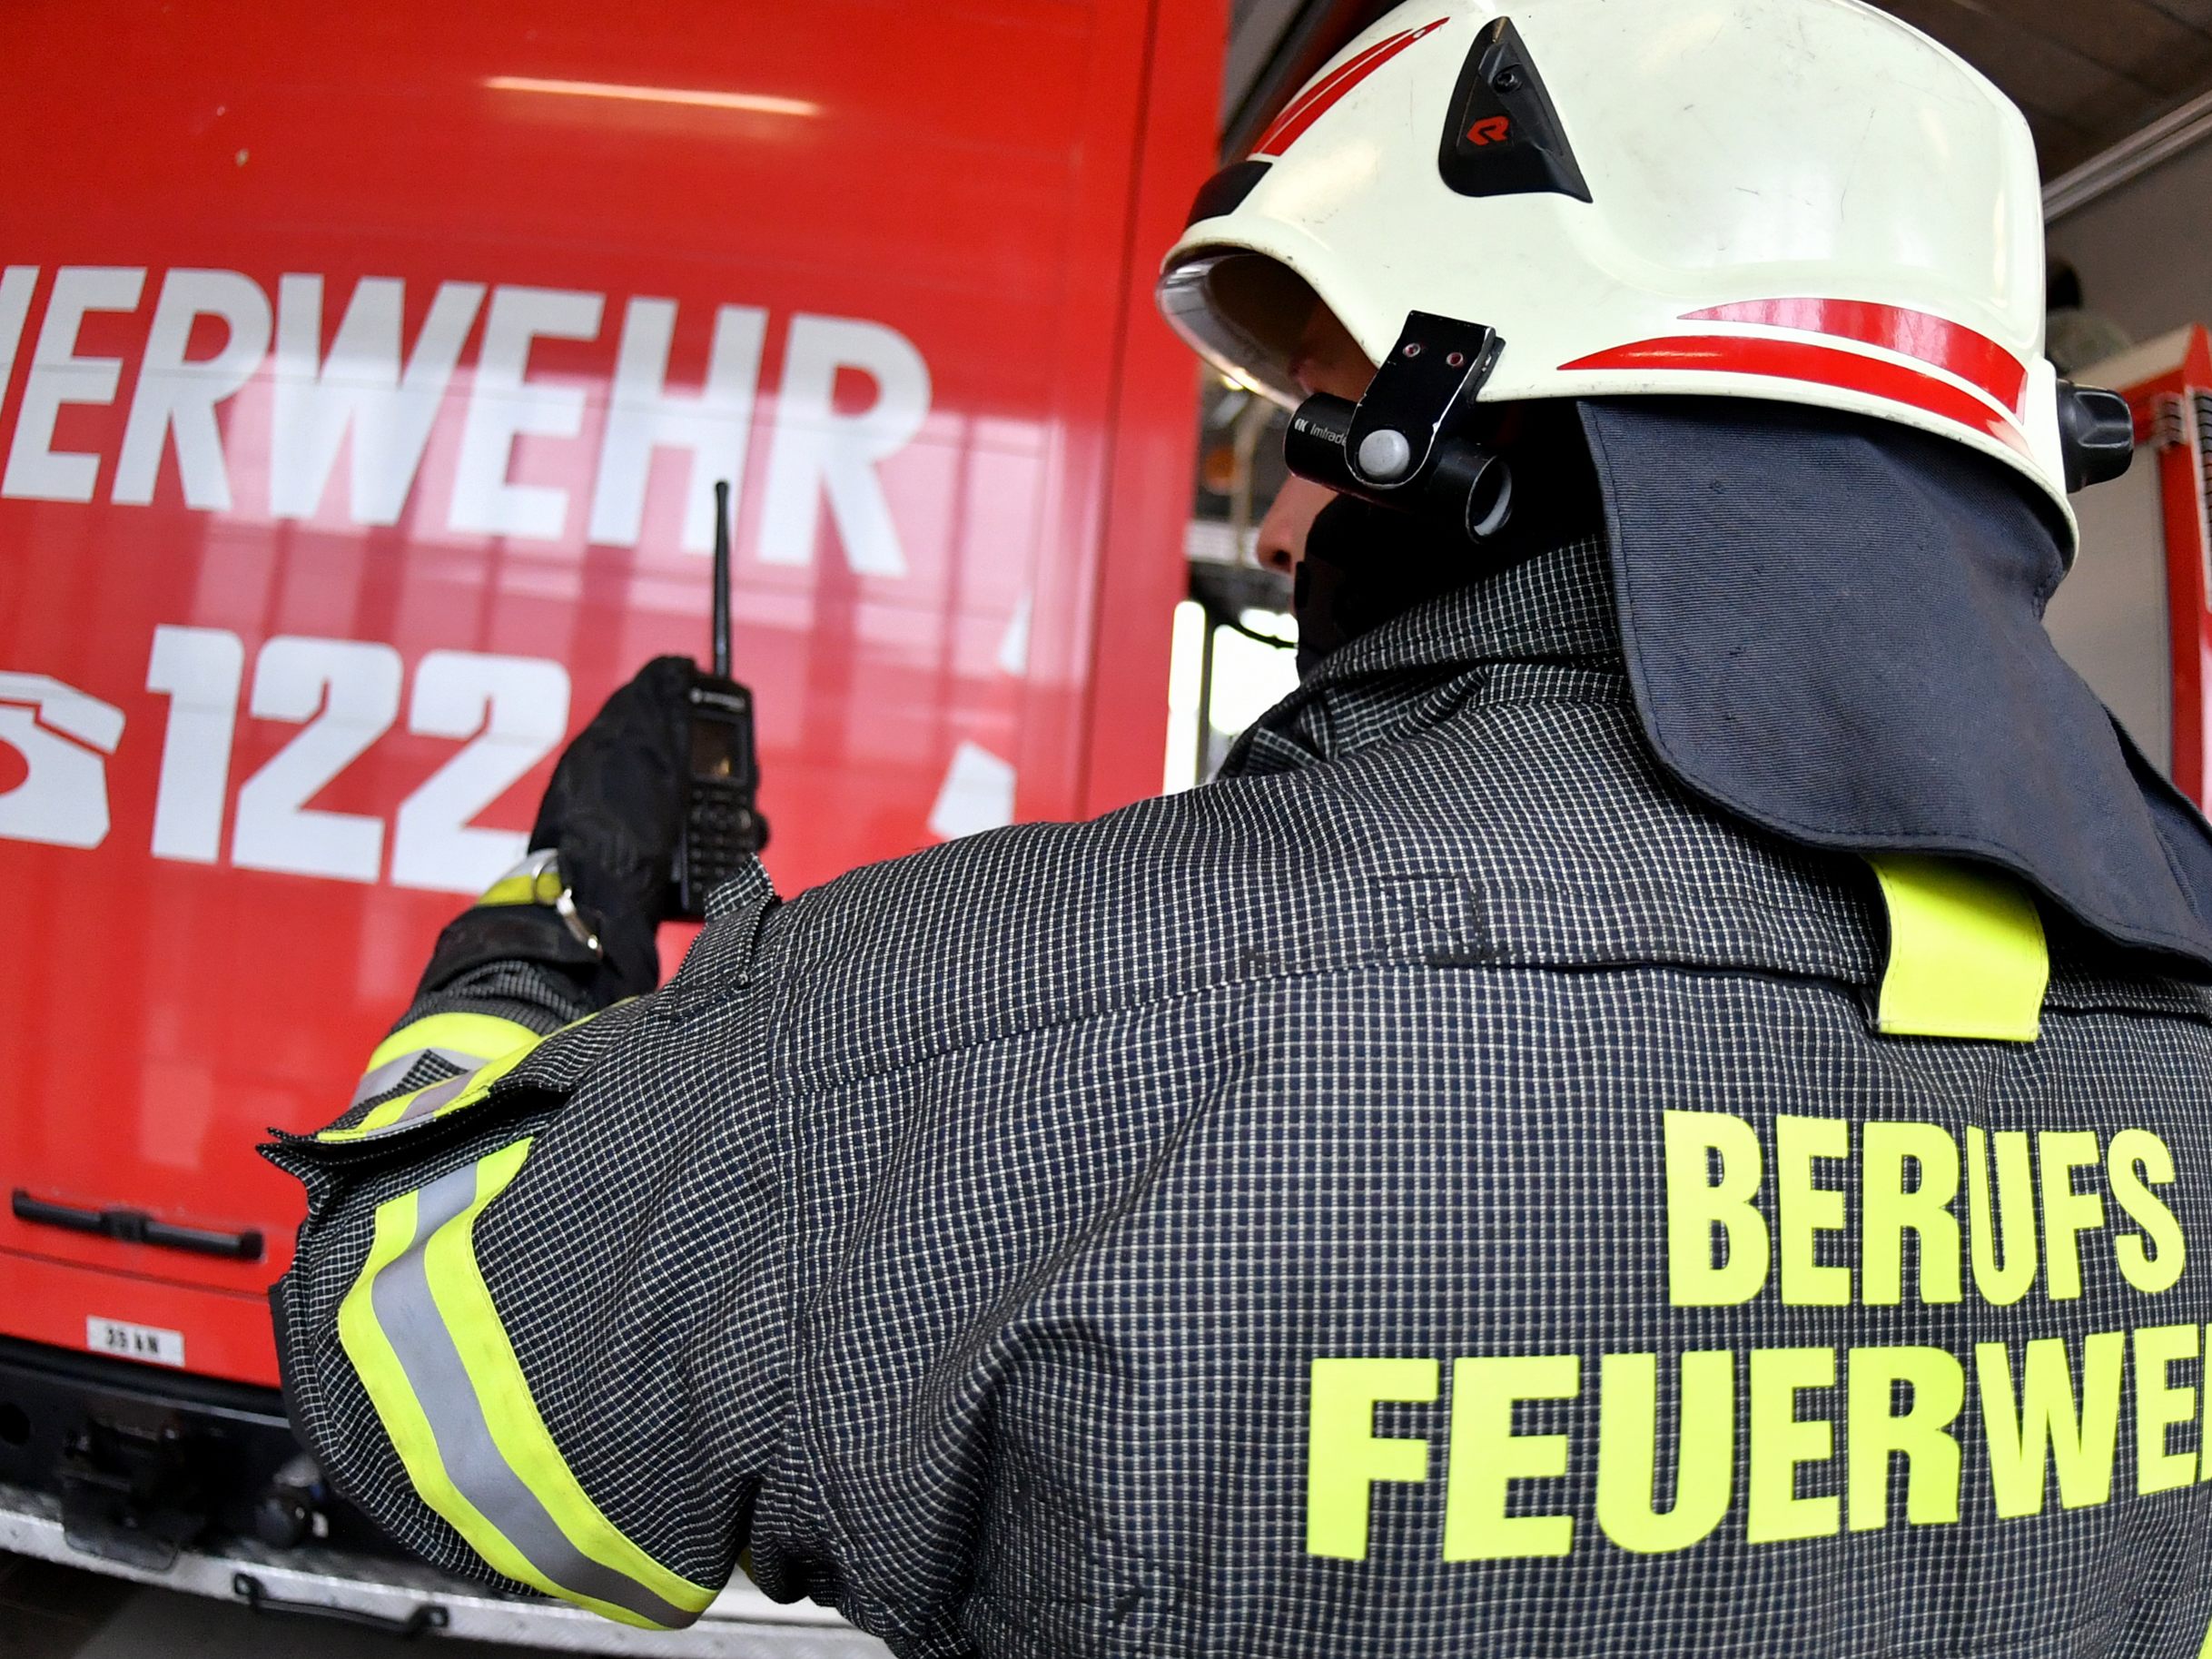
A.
x: 58, y: 793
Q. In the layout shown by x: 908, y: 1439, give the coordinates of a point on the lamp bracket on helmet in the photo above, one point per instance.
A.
x: 1405, y: 445
x: 2096, y: 435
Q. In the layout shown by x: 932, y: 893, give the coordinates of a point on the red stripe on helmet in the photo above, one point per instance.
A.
x: 1937, y: 340
x: 1787, y: 360
x: 1322, y: 88
x: 1325, y: 94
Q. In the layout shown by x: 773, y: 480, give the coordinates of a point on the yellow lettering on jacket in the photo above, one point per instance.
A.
x: 1487, y: 1458
x: 1345, y: 1457
x: 1781, y: 1443
x: 1921, y: 1436
x: 2039, y: 1427
x: 1657, y: 1453
x: 1698, y: 1208
x: 1803, y: 1209
x: 1728, y: 1240
x: 1890, y: 1210
x: 2067, y: 1213
x: 2158, y: 1404
x: 2004, y: 1248
x: 1628, y: 1451
x: 2153, y: 1261
x: 2048, y: 1413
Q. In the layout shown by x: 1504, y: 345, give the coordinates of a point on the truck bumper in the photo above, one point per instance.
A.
x: 373, y: 1590
x: 197, y: 1485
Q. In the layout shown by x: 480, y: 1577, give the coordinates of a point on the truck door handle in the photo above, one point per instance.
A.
x: 136, y: 1227
x: 427, y: 1616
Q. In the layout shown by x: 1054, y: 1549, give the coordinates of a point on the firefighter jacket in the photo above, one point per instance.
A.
x: 1439, y: 1189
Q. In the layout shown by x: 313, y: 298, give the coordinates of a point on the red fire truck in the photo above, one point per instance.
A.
x: 363, y: 375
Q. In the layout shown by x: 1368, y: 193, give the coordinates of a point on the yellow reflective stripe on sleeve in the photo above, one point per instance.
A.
x: 454, y: 1093
x: 464, y: 1041
x: 523, y: 888
x: 516, y: 1428
x: 482, y: 1036
x: 1968, y: 957
x: 424, y: 1336
x: 437, y: 1100
x: 403, y: 1418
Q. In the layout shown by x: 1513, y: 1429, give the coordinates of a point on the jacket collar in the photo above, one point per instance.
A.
x: 1555, y: 607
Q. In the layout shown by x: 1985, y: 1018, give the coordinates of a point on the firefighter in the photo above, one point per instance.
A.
x: 1661, y: 1104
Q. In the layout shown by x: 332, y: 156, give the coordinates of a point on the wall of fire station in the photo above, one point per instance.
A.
x: 2109, y: 617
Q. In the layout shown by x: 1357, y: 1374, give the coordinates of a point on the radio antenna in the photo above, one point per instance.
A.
x: 721, y: 580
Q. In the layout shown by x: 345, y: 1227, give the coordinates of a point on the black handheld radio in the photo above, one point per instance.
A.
x: 722, y: 826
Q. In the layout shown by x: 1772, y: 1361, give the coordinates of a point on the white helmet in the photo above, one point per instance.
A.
x: 1804, y: 201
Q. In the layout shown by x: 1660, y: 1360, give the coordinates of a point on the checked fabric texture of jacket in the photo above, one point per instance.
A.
x: 1240, y: 1226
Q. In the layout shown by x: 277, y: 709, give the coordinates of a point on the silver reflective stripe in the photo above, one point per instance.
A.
x: 401, y: 1297
x: 388, y: 1076
x: 423, y: 1103
x: 432, y: 1098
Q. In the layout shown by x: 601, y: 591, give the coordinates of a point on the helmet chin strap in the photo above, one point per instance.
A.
x: 1406, y: 444
x: 1366, y: 566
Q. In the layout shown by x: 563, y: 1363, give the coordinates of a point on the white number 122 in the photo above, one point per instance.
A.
x: 344, y: 695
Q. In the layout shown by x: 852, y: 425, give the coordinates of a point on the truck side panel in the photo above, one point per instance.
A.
x: 363, y: 380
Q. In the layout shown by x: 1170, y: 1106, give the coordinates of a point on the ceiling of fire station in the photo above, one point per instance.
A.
x: 2089, y: 73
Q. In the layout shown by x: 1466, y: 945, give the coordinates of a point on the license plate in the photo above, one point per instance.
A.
x: 147, y: 1342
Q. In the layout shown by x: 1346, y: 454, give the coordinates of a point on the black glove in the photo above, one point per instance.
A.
x: 615, y: 813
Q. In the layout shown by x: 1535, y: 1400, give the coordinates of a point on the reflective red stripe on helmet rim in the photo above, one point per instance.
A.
x: 1787, y: 360
x: 1950, y: 346
x: 1324, y: 95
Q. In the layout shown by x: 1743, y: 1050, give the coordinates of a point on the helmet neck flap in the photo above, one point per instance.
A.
x: 1832, y: 627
